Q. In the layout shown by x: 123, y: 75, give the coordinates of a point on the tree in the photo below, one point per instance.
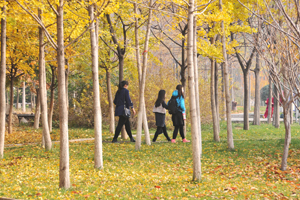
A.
x: 226, y: 83
x: 98, y: 158
x: 2, y: 81
x: 42, y: 88
x: 245, y: 66
x: 256, y: 119
x: 142, y: 109
x: 192, y: 97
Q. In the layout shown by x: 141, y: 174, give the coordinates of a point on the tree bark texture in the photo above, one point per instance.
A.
x: 37, y: 110
x: 226, y: 83
x: 17, y: 102
x: 110, y: 102
x: 195, y: 60
x: 51, y: 107
x: 217, y: 95
x: 213, y: 102
x: 142, y: 110
x: 287, y: 125
x: 256, y: 119
x: 43, y: 89
x: 192, y: 95
x: 276, y: 108
x: 98, y: 158
x: 2, y: 83
x: 24, y: 98
x: 246, y: 100
x: 64, y: 176
x: 11, y: 103
x: 270, y: 102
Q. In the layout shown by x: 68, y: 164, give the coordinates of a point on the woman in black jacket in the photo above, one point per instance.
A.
x: 122, y: 100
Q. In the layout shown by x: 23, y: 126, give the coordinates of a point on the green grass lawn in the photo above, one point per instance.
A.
x: 160, y: 171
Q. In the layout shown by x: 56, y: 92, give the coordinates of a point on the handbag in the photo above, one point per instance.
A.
x: 126, y: 112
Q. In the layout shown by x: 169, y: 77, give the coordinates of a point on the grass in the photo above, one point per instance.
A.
x: 240, y: 109
x: 160, y: 171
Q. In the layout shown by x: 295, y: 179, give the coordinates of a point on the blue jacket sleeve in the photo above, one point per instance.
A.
x: 128, y: 100
x: 182, y: 104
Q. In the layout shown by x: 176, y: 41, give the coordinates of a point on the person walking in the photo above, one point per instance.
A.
x: 267, y: 108
x: 178, y: 117
x: 160, y: 115
x: 122, y: 100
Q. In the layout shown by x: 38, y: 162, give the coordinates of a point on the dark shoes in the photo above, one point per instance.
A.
x: 114, y: 141
x: 132, y: 140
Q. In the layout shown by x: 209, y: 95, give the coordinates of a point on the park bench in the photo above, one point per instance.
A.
x: 26, y: 116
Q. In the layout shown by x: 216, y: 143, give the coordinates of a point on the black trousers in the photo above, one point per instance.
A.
x: 159, y: 130
x: 122, y: 121
x: 176, y: 132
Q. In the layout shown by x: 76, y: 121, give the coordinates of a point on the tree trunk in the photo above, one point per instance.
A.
x: 11, y: 105
x: 121, y: 68
x: 223, y: 92
x: 249, y: 93
x: 121, y: 76
x: 145, y: 126
x: 256, y: 119
x: 196, y: 70
x: 297, y: 111
x: 292, y: 114
x: 276, y: 109
x: 51, y: 107
x: 64, y: 176
x: 182, y: 69
x: 98, y: 158
x: 24, y: 98
x: 192, y: 97
x: 246, y: 100
x: 142, y: 110
x: 37, y: 110
x: 31, y: 101
x: 7, y: 96
x: 110, y: 101
x: 217, y: 95
x: 226, y: 83
x: 145, y: 121
x: 17, y: 101
x: 67, y: 85
x: 43, y: 89
x: 213, y: 102
x: 270, y: 102
x: 287, y: 125
x: 2, y: 83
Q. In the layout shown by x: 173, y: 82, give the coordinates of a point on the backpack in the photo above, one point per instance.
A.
x: 172, y: 105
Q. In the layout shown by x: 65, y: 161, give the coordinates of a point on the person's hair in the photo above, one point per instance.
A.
x: 179, y: 88
x: 122, y: 84
x: 160, y: 98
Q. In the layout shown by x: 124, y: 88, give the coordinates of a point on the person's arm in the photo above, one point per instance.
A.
x: 129, y: 102
x: 182, y: 105
x: 164, y: 105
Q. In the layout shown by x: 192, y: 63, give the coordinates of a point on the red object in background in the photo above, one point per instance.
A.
x: 267, y: 102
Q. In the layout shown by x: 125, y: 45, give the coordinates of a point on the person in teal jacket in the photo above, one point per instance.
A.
x: 178, y: 121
